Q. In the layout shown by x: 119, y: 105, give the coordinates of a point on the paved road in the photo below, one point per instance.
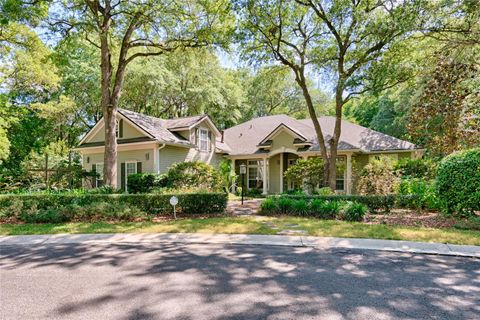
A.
x: 207, y: 281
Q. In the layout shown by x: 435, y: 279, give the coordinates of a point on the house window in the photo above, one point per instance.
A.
x: 99, y: 172
x: 130, y: 168
x: 203, y: 140
x: 341, y: 170
x: 255, y: 174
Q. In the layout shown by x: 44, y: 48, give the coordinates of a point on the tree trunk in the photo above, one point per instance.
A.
x: 300, y: 79
x: 333, y: 143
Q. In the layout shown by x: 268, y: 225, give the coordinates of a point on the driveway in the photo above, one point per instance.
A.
x: 221, y: 281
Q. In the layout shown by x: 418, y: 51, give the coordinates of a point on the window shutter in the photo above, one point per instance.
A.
x: 139, y: 167
x: 210, y: 141
x: 94, y: 175
x: 120, y: 129
x: 122, y: 176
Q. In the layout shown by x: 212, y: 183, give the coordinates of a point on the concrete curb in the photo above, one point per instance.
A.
x: 247, y: 239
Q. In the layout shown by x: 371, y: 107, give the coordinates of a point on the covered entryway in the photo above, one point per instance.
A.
x: 278, y: 164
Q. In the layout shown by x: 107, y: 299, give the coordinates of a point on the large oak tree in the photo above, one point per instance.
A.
x: 127, y: 30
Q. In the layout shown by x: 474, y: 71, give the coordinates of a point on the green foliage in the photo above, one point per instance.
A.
x: 422, y: 168
x: 458, y: 182
x: 354, y: 211
x: 307, y: 172
x: 193, y: 175
x: 227, y: 175
x: 104, y: 207
x: 145, y: 182
x: 300, y: 207
x: 378, y: 177
x: 328, y: 209
x: 419, y: 194
x: 325, y: 191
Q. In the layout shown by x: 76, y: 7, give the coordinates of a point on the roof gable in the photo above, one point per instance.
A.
x: 282, y: 128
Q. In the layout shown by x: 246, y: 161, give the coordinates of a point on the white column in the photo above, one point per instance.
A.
x: 349, y: 174
x: 264, y: 177
x: 232, y: 174
x: 281, y: 172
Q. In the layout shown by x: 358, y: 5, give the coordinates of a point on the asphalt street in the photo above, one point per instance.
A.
x: 215, y: 281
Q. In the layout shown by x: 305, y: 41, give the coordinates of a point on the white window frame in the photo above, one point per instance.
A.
x: 344, y: 160
x: 203, y: 140
x: 100, y: 177
x: 259, y: 176
x: 126, y: 172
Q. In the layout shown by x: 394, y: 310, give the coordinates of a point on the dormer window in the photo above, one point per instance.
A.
x: 203, y: 140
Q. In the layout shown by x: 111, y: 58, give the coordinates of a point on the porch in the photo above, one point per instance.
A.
x: 265, y: 172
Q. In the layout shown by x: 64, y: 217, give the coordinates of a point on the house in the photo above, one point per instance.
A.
x: 266, y: 145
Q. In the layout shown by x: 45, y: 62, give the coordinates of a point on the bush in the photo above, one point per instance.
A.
x: 354, y: 211
x: 193, y: 174
x: 100, y: 207
x: 416, y: 168
x: 145, y: 182
x: 268, y: 206
x: 328, y: 209
x: 420, y: 194
x: 300, y: 207
x: 458, y: 182
x: 375, y: 203
x: 378, y: 178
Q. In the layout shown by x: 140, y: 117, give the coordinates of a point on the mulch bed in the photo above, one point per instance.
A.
x: 412, y: 218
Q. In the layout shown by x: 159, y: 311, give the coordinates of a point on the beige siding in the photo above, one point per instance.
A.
x: 274, y: 165
x: 282, y: 140
x: 123, y: 156
x: 170, y: 155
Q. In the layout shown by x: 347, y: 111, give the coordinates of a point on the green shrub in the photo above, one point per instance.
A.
x: 268, y: 206
x: 375, y: 203
x: 472, y: 223
x: 378, y: 178
x: 458, y: 182
x: 99, y: 207
x: 325, y: 191
x: 329, y: 210
x: 285, y: 205
x: 193, y: 174
x: 300, y: 207
x: 354, y: 211
x: 416, y: 168
x: 145, y: 182
x: 423, y: 194
x: 316, y: 206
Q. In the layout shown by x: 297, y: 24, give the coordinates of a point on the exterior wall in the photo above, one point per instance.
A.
x: 171, y: 154
x: 274, y: 165
x: 282, y: 140
x: 123, y: 156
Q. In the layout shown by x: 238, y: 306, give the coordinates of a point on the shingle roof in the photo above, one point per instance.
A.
x: 156, y: 127
x: 244, y: 138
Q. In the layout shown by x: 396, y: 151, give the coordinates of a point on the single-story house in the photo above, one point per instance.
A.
x: 266, y: 145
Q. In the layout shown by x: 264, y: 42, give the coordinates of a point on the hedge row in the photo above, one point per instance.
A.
x: 150, y: 204
x: 314, y: 207
x: 373, y: 203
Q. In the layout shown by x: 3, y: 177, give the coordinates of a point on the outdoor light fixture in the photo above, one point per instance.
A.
x: 243, y: 171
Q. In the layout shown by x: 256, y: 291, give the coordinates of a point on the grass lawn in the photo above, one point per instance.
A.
x: 256, y: 225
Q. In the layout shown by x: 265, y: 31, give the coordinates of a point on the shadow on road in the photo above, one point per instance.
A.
x: 173, y: 281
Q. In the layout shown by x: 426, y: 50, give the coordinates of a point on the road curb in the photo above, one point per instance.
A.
x: 322, y: 243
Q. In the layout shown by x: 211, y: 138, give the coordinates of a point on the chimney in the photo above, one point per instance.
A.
x: 223, y: 135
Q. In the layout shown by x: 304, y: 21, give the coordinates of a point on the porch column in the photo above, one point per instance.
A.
x: 281, y: 172
x: 232, y: 174
x: 349, y: 174
x: 156, y: 163
x: 264, y: 177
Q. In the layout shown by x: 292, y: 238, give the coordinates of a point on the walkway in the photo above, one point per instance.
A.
x: 322, y: 243
x: 250, y: 207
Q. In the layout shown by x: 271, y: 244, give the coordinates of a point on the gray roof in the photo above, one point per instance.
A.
x: 244, y: 138
x: 159, y: 128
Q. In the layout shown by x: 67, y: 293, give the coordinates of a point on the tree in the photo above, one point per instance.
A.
x: 306, y: 172
x: 125, y: 30
x: 341, y: 39
x: 446, y: 116
x: 272, y: 90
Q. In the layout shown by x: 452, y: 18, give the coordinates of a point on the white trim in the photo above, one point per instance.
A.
x: 281, y: 173
x: 278, y: 129
x: 265, y: 180
x: 92, y: 131
x: 97, y: 149
x: 126, y: 172
x: 211, y: 124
